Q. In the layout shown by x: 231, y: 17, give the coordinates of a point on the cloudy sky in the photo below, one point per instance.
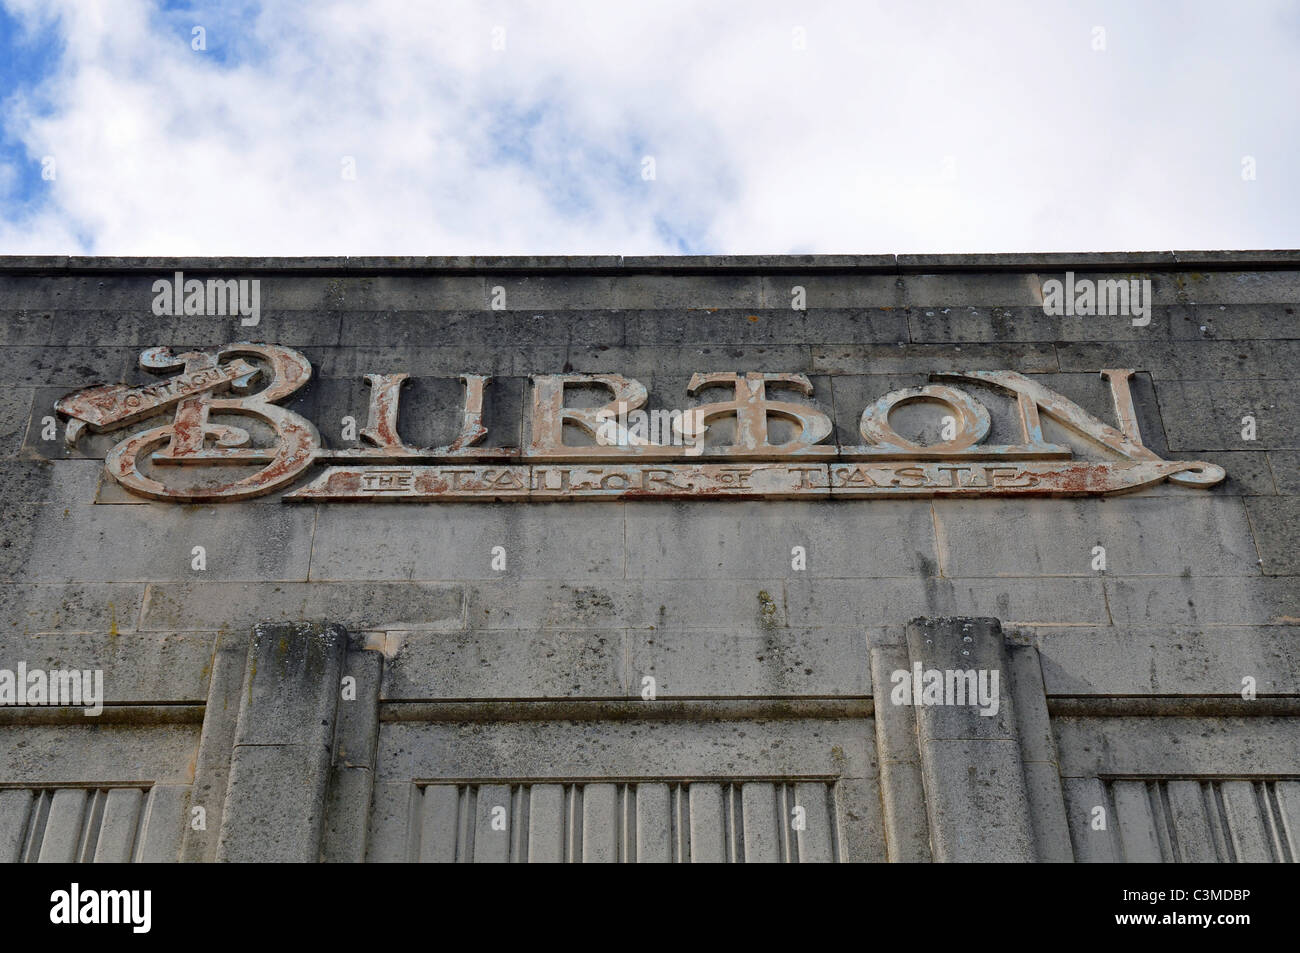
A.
x: 616, y: 127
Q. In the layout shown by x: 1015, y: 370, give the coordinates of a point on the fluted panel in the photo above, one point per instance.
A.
x: 705, y: 821
x: 1194, y: 820
x: 72, y: 825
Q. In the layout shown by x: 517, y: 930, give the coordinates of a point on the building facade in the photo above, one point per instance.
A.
x: 827, y: 558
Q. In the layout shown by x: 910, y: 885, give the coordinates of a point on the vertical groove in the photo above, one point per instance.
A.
x: 1272, y: 812
x: 415, y: 822
x: 566, y: 811
x: 1112, y: 818
x: 36, y: 832
x: 735, y: 809
x: 783, y: 847
x: 137, y: 836
x: 629, y: 821
x: 24, y: 828
x: 833, y: 812
x: 1220, y: 825
x: 674, y: 824
x: 90, y: 825
x: 577, y: 823
x: 518, y: 852
x: 1167, y: 823
x: 684, y: 817
x: 792, y: 801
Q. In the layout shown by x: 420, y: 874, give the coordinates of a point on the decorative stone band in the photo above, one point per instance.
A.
x: 429, y: 484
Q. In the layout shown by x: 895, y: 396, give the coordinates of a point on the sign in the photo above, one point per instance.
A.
x: 626, y: 461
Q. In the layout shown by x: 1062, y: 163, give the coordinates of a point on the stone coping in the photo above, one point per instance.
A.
x: 1284, y: 259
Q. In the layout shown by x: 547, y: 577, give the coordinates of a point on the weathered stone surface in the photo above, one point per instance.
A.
x: 156, y: 542
x: 360, y: 606
x: 771, y: 326
x: 932, y: 358
x: 15, y: 410
x: 274, y: 805
x: 351, y: 784
x: 746, y: 539
x: 1184, y: 600
x: 1180, y: 322
x: 101, y: 608
x: 479, y: 329
x: 382, y: 542
x: 279, y: 767
x: 1158, y: 660
x: 503, y: 663
x: 69, y: 483
x: 947, y: 645
x: 1285, y: 465
x: 1209, y: 414
x: 522, y: 688
x: 687, y: 291
x: 902, y: 791
x: 1276, y: 523
x: 977, y: 788
x: 291, y: 684
x: 1161, y: 536
x: 433, y: 360
x: 641, y: 748
x: 835, y: 291
x: 1175, y: 746
x: 1020, y: 601
x: 777, y: 662
x: 1186, y: 360
x: 71, y: 754
x: 138, y: 668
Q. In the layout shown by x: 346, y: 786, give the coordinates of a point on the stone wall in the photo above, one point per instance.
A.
x: 522, y: 688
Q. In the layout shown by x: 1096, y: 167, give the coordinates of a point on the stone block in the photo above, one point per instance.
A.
x: 687, y: 291
x: 360, y: 606
x: 1208, y: 600
x: 499, y: 663
x: 977, y: 802
x: 713, y: 663
x: 1176, y: 747
x: 970, y: 706
x: 1030, y: 358
x: 275, y: 804
x: 1285, y: 465
x: 263, y: 541
x: 98, y: 608
x: 456, y: 541
x: 1209, y: 414
x: 291, y: 685
x: 1275, y: 521
x: 1186, y: 360
x: 1159, y: 535
x: 770, y: 326
x: 735, y: 539
x: 1164, y: 660
x: 138, y: 668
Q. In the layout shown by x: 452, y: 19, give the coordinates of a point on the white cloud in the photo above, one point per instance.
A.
x: 919, y: 127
